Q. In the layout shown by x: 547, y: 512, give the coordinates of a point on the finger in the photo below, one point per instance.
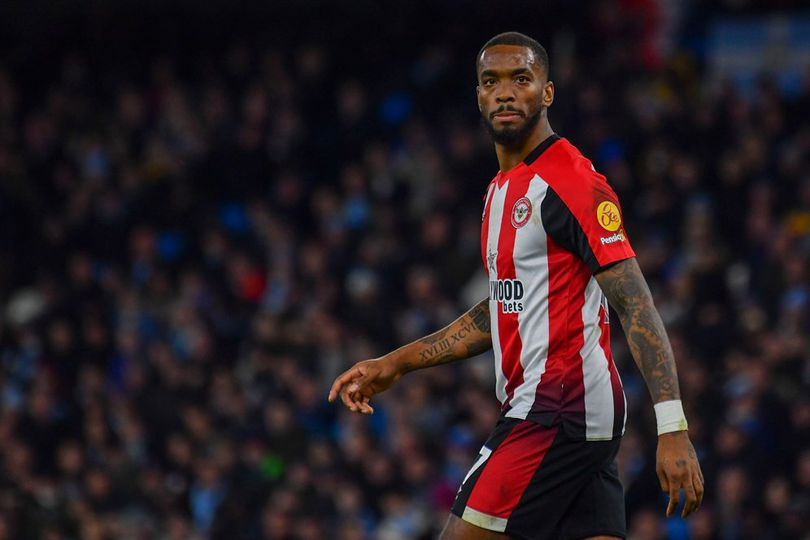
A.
x: 350, y: 400
x: 351, y: 394
x: 674, y: 497
x: 342, y: 379
x: 347, y: 401
x: 699, y: 489
x: 365, y: 407
x: 336, y: 386
x: 357, y: 400
x: 691, y: 498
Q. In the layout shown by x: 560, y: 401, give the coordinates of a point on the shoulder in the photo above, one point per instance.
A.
x: 573, y: 177
x: 579, y: 210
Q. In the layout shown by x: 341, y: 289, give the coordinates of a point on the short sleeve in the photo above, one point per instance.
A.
x: 584, y: 217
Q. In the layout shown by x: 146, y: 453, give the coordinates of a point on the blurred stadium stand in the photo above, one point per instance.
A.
x: 209, y: 209
x: 743, y: 50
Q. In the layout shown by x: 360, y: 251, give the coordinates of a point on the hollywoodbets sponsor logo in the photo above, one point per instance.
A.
x: 509, y: 293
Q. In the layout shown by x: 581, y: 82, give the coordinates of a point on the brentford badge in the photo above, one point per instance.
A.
x: 521, y: 212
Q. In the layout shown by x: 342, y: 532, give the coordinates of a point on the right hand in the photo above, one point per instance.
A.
x: 356, y: 385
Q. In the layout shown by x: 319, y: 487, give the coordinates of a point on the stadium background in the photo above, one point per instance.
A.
x: 209, y: 209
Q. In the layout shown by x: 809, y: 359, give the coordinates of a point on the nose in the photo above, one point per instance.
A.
x: 505, y: 94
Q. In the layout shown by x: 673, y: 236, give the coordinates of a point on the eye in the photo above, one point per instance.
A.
x: 489, y: 82
x: 522, y: 79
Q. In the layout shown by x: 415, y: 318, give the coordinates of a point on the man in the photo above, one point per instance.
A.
x: 556, y: 252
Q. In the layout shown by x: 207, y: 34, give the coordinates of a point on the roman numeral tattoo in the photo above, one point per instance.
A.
x: 467, y: 336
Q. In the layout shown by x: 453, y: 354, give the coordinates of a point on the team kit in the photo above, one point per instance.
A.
x: 548, y: 224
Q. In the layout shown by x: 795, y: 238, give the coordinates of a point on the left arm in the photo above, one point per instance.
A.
x: 627, y: 291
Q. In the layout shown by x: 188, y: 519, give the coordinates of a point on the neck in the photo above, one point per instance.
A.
x: 509, y: 156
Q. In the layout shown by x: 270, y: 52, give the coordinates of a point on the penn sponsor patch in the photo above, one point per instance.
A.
x: 618, y: 237
x: 607, y: 213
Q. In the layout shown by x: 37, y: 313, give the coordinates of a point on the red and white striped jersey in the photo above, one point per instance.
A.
x: 549, y: 225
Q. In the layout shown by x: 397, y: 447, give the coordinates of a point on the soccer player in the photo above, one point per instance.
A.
x: 555, y: 248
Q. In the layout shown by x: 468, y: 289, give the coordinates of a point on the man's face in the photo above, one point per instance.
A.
x: 513, y: 91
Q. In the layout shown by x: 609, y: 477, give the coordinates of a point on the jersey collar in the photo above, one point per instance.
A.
x: 540, y: 148
x: 531, y: 158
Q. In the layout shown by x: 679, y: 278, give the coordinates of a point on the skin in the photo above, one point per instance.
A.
x: 676, y: 462
x: 513, y: 88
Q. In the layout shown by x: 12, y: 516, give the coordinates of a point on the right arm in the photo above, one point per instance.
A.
x: 467, y: 336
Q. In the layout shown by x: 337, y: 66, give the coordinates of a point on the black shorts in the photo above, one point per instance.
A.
x: 533, y: 482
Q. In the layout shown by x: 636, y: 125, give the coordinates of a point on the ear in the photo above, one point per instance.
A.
x: 478, y: 97
x: 548, y: 94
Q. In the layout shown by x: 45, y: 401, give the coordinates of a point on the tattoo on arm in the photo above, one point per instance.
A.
x: 627, y: 291
x: 467, y: 336
x: 480, y: 316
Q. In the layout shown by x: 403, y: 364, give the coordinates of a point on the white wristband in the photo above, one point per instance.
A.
x: 669, y: 416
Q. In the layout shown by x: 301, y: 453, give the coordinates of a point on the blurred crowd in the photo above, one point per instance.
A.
x: 193, y: 253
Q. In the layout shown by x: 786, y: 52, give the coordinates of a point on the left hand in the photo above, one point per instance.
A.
x: 677, y: 467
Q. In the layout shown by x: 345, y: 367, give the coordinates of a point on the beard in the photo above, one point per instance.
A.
x: 508, y: 136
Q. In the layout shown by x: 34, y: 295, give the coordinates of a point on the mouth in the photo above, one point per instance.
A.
x: 507, y: 116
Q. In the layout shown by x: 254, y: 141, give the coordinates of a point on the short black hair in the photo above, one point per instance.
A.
x: 521, y: 40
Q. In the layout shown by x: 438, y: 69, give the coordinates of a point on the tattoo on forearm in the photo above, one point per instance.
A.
x: 435, y: 337
x: 627, y: 292
x: 480, y: 316
x: 467, y: 336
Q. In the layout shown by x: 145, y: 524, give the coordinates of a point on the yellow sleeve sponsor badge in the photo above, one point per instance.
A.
x: 607, y: 213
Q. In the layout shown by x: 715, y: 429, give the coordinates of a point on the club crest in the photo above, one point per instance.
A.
x: 521, y: 212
